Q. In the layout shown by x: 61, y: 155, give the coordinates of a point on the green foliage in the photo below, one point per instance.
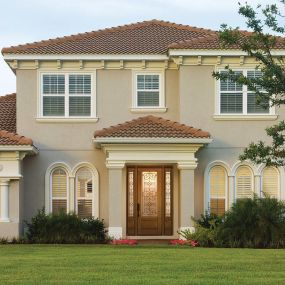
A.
x: 65, y: 228
x: 259, y: 44
x: 209, y: 220
x: 256, y: 223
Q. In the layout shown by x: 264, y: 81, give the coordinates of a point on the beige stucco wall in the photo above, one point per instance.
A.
x: 72, y: 142
x: 190, y: 99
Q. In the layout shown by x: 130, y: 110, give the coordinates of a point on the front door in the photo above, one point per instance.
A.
x: 149, y: 201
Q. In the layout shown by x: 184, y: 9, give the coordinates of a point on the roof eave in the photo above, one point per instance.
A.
x: 29, y: 149
x: 137, y: 140
x: 215, y: 52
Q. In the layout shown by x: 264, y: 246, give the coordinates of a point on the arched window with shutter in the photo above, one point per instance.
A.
x: 218, y: 190
x: 244, y: 183
x: 59, y: 191
x: 84, y: 193
x: 270, y: 182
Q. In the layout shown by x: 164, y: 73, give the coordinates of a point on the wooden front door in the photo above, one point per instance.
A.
x: 149, y: 201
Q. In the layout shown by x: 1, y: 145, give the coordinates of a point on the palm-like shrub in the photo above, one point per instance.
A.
x: 64, y: 228
x: 257, y: 222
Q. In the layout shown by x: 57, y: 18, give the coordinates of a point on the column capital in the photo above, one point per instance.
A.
x: 184, y: 165
x: 4, y: 181
x: 114, y: 164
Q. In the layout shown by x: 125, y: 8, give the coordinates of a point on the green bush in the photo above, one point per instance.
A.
x: 64, y: 228
x: 256, y: 223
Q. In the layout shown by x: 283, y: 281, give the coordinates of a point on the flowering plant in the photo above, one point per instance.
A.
x: 125, y: 242
x: 191, y: 243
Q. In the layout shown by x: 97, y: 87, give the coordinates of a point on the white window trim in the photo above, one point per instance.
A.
x: 279, y: 181
x: 66, y: 117
x: 244, y: 115
x: 71, y: 186
x: 207, y: 197
x: 141, y: 109
x: 48, y: 185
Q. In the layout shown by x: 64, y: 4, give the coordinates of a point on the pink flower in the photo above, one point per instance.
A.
x: 124, y: 242
x: 191, y: 243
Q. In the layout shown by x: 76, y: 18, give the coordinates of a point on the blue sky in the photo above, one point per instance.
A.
x: 24, y: 21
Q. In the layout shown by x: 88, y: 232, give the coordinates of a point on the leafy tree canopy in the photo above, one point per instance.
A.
x: 266, y: 34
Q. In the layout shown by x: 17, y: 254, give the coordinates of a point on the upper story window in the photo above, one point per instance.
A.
x: 237, y: 99
x: 67, y: 95
x: 148, y: 90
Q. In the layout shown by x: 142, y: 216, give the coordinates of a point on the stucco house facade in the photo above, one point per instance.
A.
x: 127, y: 124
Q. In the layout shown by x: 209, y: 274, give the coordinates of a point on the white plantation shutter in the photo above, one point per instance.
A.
x: 59, y: 190
x: 270, y: 182
x: 244, y: 183
x: 217, y: 190
x: 53, y: 88
x: 231, y: 96
x: 148, y: 90
x: 84, y: 192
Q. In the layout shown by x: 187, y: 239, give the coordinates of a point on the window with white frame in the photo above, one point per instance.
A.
x: 238, y: 99
x: 244, y: 183
x: 59, y: 191
x: 218, y: 190
x: 148, y: 90
x: 84, y: 193
x: 270, y: 182
x: 66, y: 95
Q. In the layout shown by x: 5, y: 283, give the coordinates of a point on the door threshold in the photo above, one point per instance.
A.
x: 151, y: 237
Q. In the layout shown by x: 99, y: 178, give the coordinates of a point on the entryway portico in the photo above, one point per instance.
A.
x: 150, y: 155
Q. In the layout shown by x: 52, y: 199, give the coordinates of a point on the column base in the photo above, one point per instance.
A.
x: 115, y: 232
x: 5, y: 221
x: 191, y: 229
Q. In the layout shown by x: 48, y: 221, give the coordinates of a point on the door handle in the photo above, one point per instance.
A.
x: 138, y: 209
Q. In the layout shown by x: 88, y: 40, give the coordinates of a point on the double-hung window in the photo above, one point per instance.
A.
x: 148, y: 90
x: 238, y: 99
x: 66, y: 95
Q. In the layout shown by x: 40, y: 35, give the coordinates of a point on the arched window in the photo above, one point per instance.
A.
x: 218, y: 190
x: 84, y: 192
x: 58, y: 190
x: 244, y: 183
x: 270, y: 182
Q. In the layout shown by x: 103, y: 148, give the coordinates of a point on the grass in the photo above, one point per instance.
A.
x: 161, y: 264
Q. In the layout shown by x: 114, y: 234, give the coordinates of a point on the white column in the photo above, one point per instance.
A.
x: 71, y: 207
x: 231, y: 191
x: 187, y: 196
x: 4, y: 207
x: 115, y: 173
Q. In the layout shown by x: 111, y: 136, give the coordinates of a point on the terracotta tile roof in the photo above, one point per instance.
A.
x: 8, y: 113
x: 7, y: 138
x: 151, y: 127
x: 213, y: 42
x: 148, y: 37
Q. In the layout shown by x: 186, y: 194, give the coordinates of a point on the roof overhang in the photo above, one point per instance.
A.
x: 29, y: 149
x: 215, y: 52
x: 114, y: 140
x: 11, y: 56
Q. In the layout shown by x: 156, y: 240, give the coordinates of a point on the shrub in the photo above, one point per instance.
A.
x: 64, y: 228
x: 257, y: 222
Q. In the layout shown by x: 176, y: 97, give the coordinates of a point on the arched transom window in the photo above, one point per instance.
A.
x: 218, y: 190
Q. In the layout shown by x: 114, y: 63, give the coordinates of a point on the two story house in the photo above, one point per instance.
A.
x: 127, y: 124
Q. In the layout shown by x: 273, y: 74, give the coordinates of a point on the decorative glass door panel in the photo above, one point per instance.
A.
x: 149, y: 194
x: 149, y: 200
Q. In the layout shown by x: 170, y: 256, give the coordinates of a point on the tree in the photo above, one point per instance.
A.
x: 266, y: 34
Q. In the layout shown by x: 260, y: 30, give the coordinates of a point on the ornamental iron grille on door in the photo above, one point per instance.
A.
x: 149, y: 200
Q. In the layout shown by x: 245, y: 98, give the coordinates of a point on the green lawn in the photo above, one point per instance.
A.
x: 101, y: 264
